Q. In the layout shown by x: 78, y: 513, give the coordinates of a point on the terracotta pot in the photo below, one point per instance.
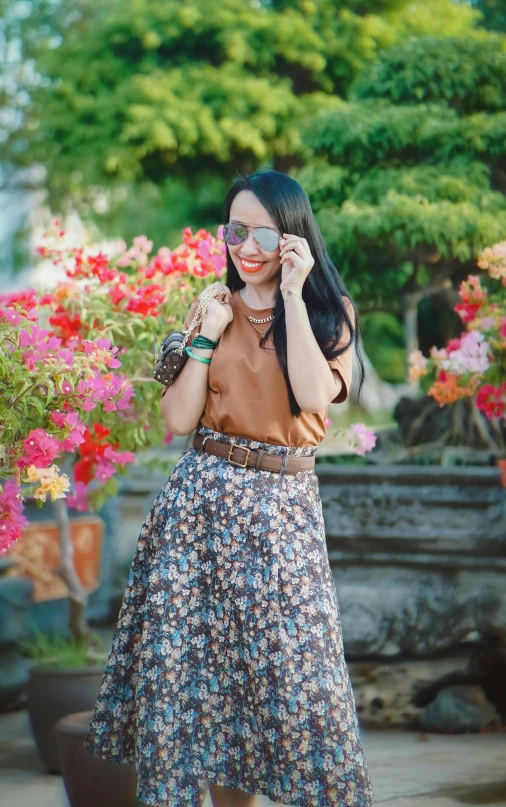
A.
x: 88, y: 779
x: 54, y: 692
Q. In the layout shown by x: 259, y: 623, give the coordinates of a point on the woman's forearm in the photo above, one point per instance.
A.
x: 311, y: 378
x: 185, y: 400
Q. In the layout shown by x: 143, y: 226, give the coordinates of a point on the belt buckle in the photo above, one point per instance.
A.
x: 242, y: 448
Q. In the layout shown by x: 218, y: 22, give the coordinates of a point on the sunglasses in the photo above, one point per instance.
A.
x: 235, y: 234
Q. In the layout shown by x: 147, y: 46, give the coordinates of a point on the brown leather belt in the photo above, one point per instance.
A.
x: 246, y: 457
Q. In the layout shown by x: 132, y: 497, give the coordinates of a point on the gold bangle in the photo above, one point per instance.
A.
x: 289, y: 292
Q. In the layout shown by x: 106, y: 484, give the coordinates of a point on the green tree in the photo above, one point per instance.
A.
x: 493, y: 11
x: 137, y: 94
x: 408, y: 175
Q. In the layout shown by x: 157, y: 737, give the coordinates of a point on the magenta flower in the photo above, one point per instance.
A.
x: 70, y: 418
x: 11, y: 316
x: 35, y: 338
x: 121, y: 457
x: 40, y: 449
x: 67, y: 356
x: 12, y: 520
x: 79, y: 499
x: 104, y: 471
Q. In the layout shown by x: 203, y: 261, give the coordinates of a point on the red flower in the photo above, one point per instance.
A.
x: 492, y: 400
x: 66, y: 326
x: 26, y: 299
x: 78, y: 270
x: 101, y: 431
x: 467, y: 311
x: 83, y: 469
x: 117, y: 294
x: 99, y: 265
x: 145, y: 300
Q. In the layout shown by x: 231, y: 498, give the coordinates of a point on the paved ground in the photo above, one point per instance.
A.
x: 407, y: 769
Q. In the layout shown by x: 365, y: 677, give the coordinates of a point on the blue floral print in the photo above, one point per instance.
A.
x: 227, y: 661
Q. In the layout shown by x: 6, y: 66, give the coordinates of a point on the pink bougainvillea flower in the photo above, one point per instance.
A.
x: 104, y: 471
x: 10, y: 316
x: 70, y: 418
x: 212, y: 258
x: 138, y: 252
x: 363, y: 439
x: 12, y: 520
x: 143, y: 244
x: 120, y: 457
x: 469, y: 354
x: 79, y: 499
x: 168, y: 438
x: 40, y: 449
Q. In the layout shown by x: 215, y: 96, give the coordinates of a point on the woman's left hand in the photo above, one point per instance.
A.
x: 296, y: 262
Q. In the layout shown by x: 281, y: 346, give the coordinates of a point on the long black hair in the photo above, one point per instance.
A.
x: 323, y: 291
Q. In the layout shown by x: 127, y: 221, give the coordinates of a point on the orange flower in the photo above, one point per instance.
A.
x: 446, y: 389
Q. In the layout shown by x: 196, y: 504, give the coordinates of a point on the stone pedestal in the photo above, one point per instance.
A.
x: 418, y: 555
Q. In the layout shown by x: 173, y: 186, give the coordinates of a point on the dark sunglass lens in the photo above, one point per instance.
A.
x: 235, y: 234
x: 268, y: 239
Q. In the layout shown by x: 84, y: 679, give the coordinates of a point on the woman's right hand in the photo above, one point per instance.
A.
x: 219, y: 314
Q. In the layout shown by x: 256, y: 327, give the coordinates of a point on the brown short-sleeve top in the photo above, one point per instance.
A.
x: 247, y: 392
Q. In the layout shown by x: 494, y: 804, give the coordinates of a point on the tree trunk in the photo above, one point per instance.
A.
x: 78, y: 596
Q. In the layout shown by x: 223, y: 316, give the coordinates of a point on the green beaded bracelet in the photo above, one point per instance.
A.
x: 189, y: 352
x: 204, y: 342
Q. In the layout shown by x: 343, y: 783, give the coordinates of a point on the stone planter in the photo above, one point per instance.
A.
x: 418, y: 556
x: 53, y: 693
x: 88, y: 779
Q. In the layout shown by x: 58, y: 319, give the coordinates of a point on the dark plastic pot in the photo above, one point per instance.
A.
x: 54, y: 692
x: 88, y: 779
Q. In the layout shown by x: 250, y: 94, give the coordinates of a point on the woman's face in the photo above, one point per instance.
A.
x: 254, y: 264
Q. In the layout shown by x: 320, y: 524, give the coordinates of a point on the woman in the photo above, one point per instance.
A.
x: 227, y: 663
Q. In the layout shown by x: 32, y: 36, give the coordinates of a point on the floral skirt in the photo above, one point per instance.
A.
x: 227, y: 661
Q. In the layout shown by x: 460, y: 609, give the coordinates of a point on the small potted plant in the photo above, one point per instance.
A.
x: 65, y: 678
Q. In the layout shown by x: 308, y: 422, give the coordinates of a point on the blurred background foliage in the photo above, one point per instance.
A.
x: 391, y: 113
